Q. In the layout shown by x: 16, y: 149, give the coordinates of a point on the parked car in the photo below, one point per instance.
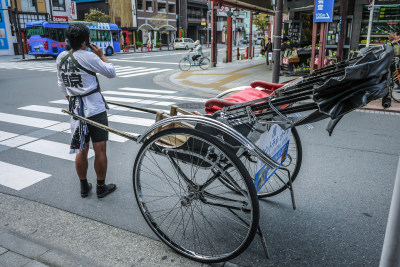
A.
x: 184, y: 43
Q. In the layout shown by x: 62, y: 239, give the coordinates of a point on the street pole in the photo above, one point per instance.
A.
x: 277, y: 41
x: 18, y: 30
x: 229, y: 39
x: 250, y: 34
x: 391, y: 245
x: 371, y: 15
x: 213, y: 35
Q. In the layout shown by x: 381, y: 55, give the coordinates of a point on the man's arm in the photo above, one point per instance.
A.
x: 102, y: 66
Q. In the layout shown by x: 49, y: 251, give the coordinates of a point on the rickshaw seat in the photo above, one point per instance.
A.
x: 245, y: 95
x: 266, y: 85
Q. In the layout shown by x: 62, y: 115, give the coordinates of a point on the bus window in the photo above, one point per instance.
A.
x: 52, y: 33
x: 104, y: 36
x: 60, y: 35
x: 93, y: 35
x: 115, y: 36
x: 39, y: 30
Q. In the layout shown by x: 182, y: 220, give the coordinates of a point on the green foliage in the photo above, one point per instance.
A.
x: 158, y: 44
x: 183, y: 33
x: 261, y: 21
x: 96, y: 15
x: 139, y: 44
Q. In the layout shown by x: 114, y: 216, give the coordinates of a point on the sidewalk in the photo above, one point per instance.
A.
x: 37, y: 235
x: 236, y: 74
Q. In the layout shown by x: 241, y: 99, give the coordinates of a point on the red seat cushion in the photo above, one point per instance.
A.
x: 247, y: 94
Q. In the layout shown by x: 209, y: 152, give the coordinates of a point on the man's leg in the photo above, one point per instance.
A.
x: 100, y: 159
x: 81, y: 162
x: 81, y: 166
x: 100, y: 167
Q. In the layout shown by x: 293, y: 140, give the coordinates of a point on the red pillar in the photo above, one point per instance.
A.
x: 314, y: 42
x: 213, y: 35
x: 251, y: 33
x: 229, y: 39
x: 322, y: 43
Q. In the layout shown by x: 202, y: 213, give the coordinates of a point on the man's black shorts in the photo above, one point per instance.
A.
x: 95, y: 133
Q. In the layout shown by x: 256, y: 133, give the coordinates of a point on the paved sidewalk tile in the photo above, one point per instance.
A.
x: 3, y: 250
x: 21, y: 246
x: 55, y: 258
x: 35, y: 264
x: 11, y: 259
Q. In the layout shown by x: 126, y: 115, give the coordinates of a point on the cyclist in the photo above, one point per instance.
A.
x: 197, y: 49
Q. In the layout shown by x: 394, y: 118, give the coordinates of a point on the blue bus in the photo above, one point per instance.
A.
x: 48, y: 38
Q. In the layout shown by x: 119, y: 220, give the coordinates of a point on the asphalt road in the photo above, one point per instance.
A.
x: 343, y: 190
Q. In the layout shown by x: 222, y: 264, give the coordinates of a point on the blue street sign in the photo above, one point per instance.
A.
x: 3, y: 32
x: 323, y: 10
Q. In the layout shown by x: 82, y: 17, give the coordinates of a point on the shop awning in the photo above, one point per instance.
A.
x: 264, y: 6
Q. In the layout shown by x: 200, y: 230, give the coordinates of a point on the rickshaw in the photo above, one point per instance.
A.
x: 197, y: 177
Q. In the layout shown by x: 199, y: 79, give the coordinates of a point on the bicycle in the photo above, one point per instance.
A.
x: 187, y: 62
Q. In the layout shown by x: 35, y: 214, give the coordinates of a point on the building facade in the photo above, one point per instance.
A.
x: 157, y: 21
x: 83, y: 7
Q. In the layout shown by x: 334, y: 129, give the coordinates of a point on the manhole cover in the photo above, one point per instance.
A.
x: 192, y: 105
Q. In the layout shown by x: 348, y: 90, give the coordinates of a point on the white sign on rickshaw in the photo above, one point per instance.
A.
x: 275, y: 143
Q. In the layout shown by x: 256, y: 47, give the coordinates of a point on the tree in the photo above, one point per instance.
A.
x: 261, y: 21
x: 96, y: 15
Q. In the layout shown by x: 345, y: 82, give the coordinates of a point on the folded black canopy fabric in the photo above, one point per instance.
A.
x: 364, y: 81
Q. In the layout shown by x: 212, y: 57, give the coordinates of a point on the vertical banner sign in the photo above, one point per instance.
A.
x: 73, y: 10
x: 323, y: 10
x: 3, y: 33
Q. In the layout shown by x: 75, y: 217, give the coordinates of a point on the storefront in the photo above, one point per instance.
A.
x: 386, y: 19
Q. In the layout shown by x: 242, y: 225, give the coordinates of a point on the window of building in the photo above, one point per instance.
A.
x: 58, y: 5
x: 61, y: 35
x: 140, y: 5
x: 149, y: 5
x: 171, y: 8
x: 162, y: 8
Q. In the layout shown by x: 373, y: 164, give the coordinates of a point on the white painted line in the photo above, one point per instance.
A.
x: 52, y: 149
x: 6, y: 135
x: 44, y: 109
x: 141, y: 72
x: 121, y: 72
x: 120, y: 99
x: 130, y: 94
x: 147, y: 90
x: 121, y: 68
x: 147, y: 62
x: 17, y: 177
x: 27, y: 121
x: 131, y: 120
x: 18, y: 141
x: 148, y: 72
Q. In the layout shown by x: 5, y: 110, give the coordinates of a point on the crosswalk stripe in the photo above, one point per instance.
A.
x: 132, y: 100
x: 192, y: 99
x: 132, y: 94
x: 146, y: 62
x: 27, y: 121
x: 65, y: 127
x: 6, y: 135
x: 18, y: 141
x: 147, y: 72
x: 133, y: 70
x: 141, y: 72
x: 52, y: 149
x: 17, y: 177
x: 147, y: 90
x: 112, y: 118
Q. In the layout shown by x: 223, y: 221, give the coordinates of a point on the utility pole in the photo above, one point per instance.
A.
x: 277, y: 41
x: 18, y: 32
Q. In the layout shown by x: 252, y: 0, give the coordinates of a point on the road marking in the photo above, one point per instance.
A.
x: 155, y: 96
x: 130, y: 70
x: 147, y: 72
x: 27, y: 121
x: 18, y: 141
x: 65, y: 127
x: 52, y: 149
x: 6, y: 135
x: 17, y: 177
x: 138, y: 72
x: 150, y: 62
x: 147, y: 90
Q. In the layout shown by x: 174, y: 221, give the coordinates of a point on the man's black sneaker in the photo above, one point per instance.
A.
x: 85, y: 189
x: 104, y: 190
